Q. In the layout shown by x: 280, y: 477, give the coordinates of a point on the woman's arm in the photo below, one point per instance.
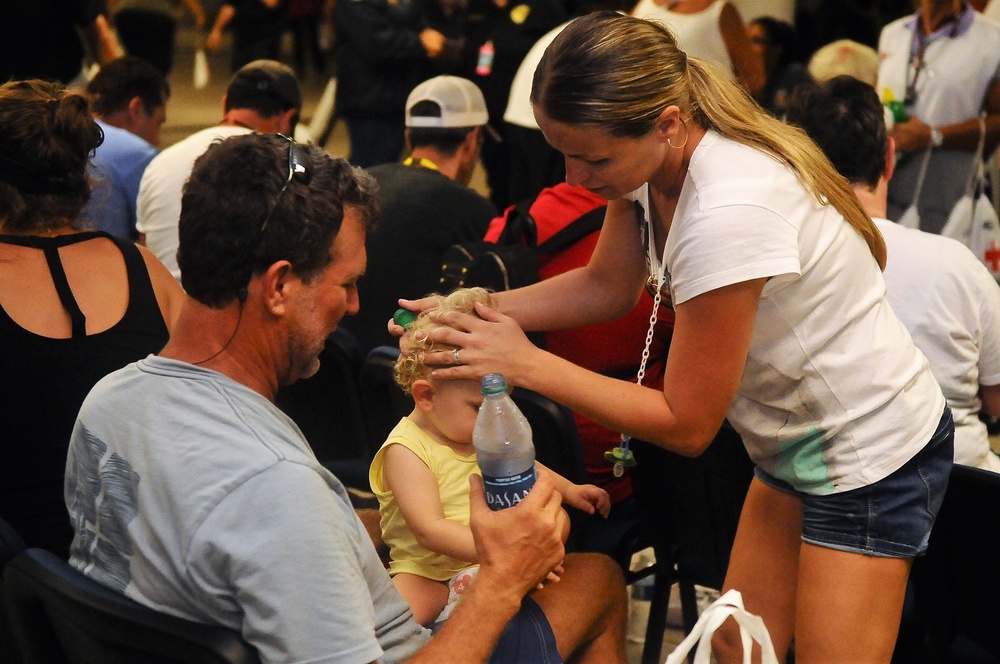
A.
x: 708, y: 352
x: 169, y: 294
x: 419, y: 500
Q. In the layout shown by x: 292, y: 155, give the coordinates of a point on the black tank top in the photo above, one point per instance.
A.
x: 43, y: 382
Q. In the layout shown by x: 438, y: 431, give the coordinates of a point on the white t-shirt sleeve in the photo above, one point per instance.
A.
x: 989, y: 318
x: 293, y: 567
x: 729, y: 244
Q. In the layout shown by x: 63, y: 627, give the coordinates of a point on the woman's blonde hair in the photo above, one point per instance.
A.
x: 619, y: 72
x: 410, y: 366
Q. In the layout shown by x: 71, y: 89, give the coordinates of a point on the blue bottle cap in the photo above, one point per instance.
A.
x: 493, y: 383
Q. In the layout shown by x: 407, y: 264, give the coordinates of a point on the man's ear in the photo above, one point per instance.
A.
x: 287, y: 118
x: 890, y: 159
x: 423, y: 394
x: 136, y: 108
x: 276, y: 282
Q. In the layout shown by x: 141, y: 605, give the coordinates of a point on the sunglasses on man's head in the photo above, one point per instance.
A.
x: 299, y: 169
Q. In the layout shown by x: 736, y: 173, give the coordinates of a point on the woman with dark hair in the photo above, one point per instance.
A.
x: 778, y: 46
x: 74, y: 304
x: 773, y: 270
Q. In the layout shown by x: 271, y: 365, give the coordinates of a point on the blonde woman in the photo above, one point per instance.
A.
x: 781, y: 326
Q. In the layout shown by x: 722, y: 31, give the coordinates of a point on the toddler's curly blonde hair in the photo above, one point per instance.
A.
x: 410, y: 366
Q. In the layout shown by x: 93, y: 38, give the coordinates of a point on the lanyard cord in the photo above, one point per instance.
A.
x: 916, y: 61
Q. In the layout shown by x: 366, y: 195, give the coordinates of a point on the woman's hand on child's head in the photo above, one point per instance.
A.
x: 492, y: 342
x: 589, y: 498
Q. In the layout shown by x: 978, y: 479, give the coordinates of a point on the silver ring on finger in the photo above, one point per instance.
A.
x: 455, y: 357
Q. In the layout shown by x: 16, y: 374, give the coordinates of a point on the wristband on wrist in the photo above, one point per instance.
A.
x: 937, y: 138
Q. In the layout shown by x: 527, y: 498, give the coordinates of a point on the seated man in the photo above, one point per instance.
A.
x: 190, y: 492
x: 425, y: 202
x: 129, y: 100
x: 944, y: 296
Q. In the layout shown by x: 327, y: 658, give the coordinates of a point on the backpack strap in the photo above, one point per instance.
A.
x: 519, y: 226
x: 575, y: 231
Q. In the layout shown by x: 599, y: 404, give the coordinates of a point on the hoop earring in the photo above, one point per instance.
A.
x: 687, y: 134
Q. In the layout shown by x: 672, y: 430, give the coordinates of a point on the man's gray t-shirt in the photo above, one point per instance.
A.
x: 196, y: 496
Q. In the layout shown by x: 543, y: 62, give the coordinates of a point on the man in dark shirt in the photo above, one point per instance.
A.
x: 426, y: 203
x: 47, y: 39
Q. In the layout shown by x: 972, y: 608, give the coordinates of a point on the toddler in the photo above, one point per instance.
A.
x: 421, y: 477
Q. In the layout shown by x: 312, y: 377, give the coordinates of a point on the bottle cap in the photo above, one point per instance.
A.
x: 493, y: 383
x: 404, y: 318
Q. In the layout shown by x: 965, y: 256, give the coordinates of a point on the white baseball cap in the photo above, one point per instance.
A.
x: 460, y: 100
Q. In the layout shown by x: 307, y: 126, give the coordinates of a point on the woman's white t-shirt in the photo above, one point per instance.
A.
x: 834, y: 395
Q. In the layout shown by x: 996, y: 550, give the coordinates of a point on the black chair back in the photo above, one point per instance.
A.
x: 553, y: 430
x: 60, y: 616
x: 689, y: 510
x: 11, y: 544
x: 384, y: 403
x: 955, y: 585
x: 327, y: 408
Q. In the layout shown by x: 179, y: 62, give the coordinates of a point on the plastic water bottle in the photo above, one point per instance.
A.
x: 484, y: 63
x: 504, y: 449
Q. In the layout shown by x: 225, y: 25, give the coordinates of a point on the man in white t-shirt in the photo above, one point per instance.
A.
x: 262, y: 96
x: 945, y: 297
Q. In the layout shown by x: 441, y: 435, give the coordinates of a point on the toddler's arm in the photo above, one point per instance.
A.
x: 416, y: 491
x: 586, y: 497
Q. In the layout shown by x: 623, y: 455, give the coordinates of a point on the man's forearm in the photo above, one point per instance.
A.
x: 472, y: 631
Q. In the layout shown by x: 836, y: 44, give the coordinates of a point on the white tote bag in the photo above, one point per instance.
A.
x: 752, y: 629
x: 911, y: 216
x: 973, y: 221
x: 200, y: 74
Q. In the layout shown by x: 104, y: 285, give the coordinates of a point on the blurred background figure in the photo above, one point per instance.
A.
x: 778, y: 46
x: 943, y: 63
x: 257, y: 26
x: 382, y: 53
x: 820, y: 22
x: 449, y: 17
x: 148, y: 28
x: 74, y: 305
x: 711, y: 30
x: 304, y: 18
x: 49, y: 39
x: 128, y: 97
x: 845, y: 58
x: 500, y: 34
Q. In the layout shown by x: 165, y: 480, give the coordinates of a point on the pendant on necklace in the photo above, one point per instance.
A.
x: 664, y: 291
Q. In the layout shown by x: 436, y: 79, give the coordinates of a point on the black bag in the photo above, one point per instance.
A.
x: 512, y: 261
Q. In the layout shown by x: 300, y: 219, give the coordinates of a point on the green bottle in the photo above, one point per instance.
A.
x: 896, y: 107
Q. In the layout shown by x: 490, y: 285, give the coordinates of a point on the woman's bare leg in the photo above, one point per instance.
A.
x: 764, y: 567
x: 849, y: 606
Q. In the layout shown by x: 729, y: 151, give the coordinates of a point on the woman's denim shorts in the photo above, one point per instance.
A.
x: 890, y: 518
